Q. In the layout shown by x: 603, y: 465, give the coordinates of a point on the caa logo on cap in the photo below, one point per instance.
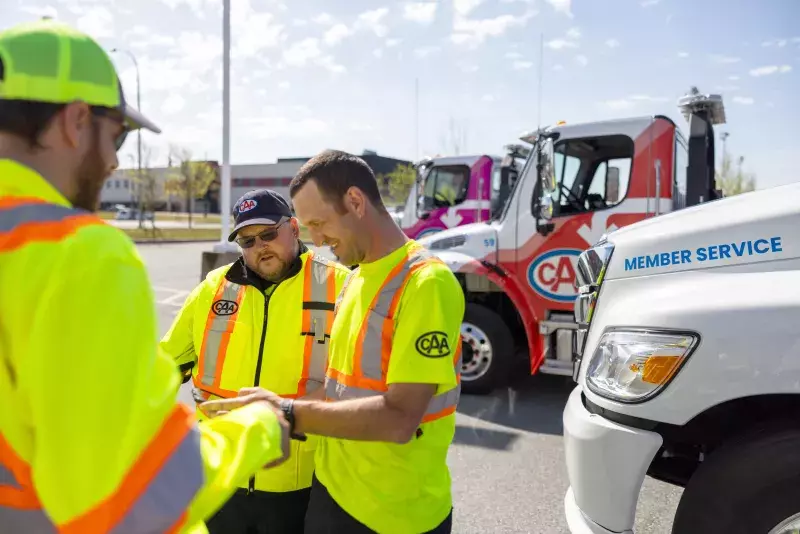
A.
x: 247, y: 205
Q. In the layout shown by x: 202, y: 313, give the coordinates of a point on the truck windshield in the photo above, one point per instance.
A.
x: 445, y: 186
x: 592, y: 173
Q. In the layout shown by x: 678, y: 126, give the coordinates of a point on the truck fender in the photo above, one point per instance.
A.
x: 461, y: 263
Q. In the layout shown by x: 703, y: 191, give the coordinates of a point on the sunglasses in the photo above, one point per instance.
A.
x: 266, y: 236
x: 116, y: 116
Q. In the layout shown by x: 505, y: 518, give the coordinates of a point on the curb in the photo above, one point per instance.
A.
x: 173, y: 241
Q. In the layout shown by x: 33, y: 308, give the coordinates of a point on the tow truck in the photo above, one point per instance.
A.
x: 688, y: 368
x: 518, y: 269
x: 454, y: 191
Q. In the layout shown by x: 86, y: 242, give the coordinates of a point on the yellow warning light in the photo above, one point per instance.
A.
x: 561, y: 123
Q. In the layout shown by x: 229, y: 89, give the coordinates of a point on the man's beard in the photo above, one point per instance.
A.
x: 92, y: 175
x: 275, y: 275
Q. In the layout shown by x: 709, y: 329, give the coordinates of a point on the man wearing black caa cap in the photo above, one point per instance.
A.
x: 262, y: 321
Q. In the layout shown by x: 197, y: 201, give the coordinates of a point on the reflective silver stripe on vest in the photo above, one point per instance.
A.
x: 170, y: 492
x: 347, y: 280
x: 219, y: 325
x: 7, y: 478
x: 372, y: 343
x: 164, y: 500
x: 28, y: 521
x: 319, y: 324
x: 10, y: 218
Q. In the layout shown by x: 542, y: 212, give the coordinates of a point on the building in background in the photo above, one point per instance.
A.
x: 121, y: 187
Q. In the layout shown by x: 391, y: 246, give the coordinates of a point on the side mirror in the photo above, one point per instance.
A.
x: 547, y: 177
x: 612, y: 185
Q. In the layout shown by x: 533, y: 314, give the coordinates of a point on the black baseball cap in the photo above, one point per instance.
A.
x: 262, y: 206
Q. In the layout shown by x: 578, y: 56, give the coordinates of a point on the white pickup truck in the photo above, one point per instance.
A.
x: 688, y: 369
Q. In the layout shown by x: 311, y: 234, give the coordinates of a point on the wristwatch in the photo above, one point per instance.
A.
x: 287, y: 407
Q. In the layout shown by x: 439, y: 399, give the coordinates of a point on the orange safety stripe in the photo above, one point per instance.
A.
x: 222, y: 349
x: 41, y: 231
x: 22, y: 497
x: 201, y: 363
x: 308, y: 345
x: 112, y: 510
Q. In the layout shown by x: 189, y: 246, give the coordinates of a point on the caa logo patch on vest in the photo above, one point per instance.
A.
x: 433, y: 345
x: 247, y: 205
x: 552, y: 274
x: 224, y: 307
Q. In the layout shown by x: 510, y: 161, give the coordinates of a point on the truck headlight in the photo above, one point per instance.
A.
x: 634, y: 365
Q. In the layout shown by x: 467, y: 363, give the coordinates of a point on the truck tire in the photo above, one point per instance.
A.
x: 749, y: 486
x: 487, y: 350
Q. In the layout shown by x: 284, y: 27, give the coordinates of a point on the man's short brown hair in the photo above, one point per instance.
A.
x: 335, y: 172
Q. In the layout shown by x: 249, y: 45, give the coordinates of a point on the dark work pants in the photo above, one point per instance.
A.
x: 327, y: 517
x: 261, y: 513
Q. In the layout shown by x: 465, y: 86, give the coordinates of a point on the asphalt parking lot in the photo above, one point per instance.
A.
x: 507, y: 460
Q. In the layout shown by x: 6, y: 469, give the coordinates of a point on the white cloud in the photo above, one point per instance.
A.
x: 744, y: 100
x: 97, y: 22
x: 558, y: 67
x: 771, y: 69
x: 631, y: 102
x: 649, y: 3
x: 422, y: 12
x: 612, y: 43
x: 574, y: 33
x: 468, y: 67
x: 253, y: 31
x: 728, y: 88
x: 733, y: 78
x: 780, y: 43
x: 371, y: 20
x: 558, y: 44
x: 173, y: 104
x: 475, y: 32
x: 425, y: 51
x: 198, y: 51
x: 522, y: 65
x: 582, y: 60
x: 301, y: 52
x: 378, y: 53
x: 393, y: 42
x: 488, y: 98
x: 40, y: 11
x: 299, y: 22
x: 683, y: 54
x: 465, y: 7
x: 513, y: 55
x: 336, y: 33
x: 280, y: 127
x: 323, y: 19
x: 327, y: 62
x: 718, y: 58
x: 562, y: 6
x: 284, y: 85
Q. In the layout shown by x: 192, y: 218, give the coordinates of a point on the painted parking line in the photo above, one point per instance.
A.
x: 174, y: 297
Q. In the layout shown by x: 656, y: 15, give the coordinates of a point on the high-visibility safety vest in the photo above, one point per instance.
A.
x: 91, y: 439
x: 397, y: 320
x: 236, y: 330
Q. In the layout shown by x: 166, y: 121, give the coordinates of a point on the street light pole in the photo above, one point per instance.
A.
x: 138, y: 136
x: 225, y: 189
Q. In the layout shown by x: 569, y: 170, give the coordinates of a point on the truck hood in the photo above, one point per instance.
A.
x: 749, y: 228
x: 463, y: 244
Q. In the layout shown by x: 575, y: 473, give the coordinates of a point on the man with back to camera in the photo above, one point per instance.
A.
x: 393, y: 376
x: 91, y: 439
x: 263, y: 320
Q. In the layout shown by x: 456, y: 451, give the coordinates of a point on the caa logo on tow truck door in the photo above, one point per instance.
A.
x: 552, y: 274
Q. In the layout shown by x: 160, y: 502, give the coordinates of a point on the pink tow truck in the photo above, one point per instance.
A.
x: 458, y: 190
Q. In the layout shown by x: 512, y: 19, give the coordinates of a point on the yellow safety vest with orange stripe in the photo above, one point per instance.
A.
x: 398, y: 320
x: 91, y: 439
x: 236, y: 330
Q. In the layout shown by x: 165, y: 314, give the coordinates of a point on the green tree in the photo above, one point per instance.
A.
x: 191, y: 179
x: 400, y: 181
x: 734, y: 181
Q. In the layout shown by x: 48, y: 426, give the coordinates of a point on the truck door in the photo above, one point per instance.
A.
x: 592, y: 174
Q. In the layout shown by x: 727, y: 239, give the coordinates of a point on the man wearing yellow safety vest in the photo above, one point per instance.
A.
x: 393, y: 377
x: 263, y: 320
x: 91, y: 439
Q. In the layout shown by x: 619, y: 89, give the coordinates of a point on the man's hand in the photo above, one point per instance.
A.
x: 247, y: 396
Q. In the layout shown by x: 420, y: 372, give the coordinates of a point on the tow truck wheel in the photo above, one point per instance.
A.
x: 486, y: 350
x: 751, y: 486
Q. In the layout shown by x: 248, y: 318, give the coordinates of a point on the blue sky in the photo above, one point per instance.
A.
x: 311, y: 74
